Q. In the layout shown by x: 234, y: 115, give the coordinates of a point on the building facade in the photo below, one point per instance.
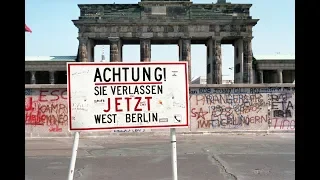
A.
x: 275, y: 69
x: 47, y: 69
x: 268, y: 69
x: 179, y: 22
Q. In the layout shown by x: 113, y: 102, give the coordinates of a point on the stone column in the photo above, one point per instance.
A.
x: 238, y: 61
x: 114, y: 49
x: 51, y: 77
x: 185, y: 54
x: 33, y: 77
x: 247, y: 61
x: 145, y: 50
x: 83, y: 50
x: 90, y: 50
x: 209, y: 45
x: 261, y: 76
x: 121, y: 51
x: 280, y: 80
x: 216, y: 61
x: 180, y: 49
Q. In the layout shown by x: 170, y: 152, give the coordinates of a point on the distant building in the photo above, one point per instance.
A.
x: 47, y: 69
x: 277, y: 68
x: 199, y: 80
x: 227, y: 81
x: 267, y: 69
x: 203, y: 80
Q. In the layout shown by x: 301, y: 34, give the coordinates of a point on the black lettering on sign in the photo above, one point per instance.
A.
x: 97, y: 75
x: 100, y: 90
x: 121, y: 74
x: 141, y: 117
x: 136, y: 90
x: 105, y: 118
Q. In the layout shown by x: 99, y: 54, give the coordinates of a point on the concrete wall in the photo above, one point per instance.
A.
x: 46, y: 112
x: 214, y: 108
x: 251, y: 108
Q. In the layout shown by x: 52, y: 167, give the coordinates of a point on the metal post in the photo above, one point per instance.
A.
x: 73, y: 156
x: 174, y: 153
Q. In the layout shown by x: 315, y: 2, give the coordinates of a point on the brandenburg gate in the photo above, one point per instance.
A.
x: 179, y: 22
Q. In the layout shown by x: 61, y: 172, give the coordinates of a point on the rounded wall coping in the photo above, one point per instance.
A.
x: 241, y: 85
x: 45, y: 86
x: 58, y: 86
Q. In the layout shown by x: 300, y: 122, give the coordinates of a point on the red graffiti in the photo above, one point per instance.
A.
x: 36, y: 120
x: 53, y: 95
x: 279, y: 123
x: 215, y: 99
x: 39, y: 118
x: 55, y: 129
x: 204, y: 123
x: 47, y: 108
x: 28, y: 104
x: 200, y: 114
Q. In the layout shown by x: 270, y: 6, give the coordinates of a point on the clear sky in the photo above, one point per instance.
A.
x: 53, y: 33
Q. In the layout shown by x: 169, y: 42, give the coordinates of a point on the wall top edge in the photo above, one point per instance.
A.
x: 45, y: 86
x: 241, y: 85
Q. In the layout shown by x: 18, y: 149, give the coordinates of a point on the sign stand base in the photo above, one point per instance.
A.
x: 174, y: 153
x: 74, y: 155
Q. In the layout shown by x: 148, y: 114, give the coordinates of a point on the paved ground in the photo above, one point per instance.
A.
x: 200, y: 157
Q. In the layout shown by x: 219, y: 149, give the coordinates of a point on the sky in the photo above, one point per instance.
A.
x: 54, y: 34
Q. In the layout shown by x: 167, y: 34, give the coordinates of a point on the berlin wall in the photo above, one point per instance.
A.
x: 213, y: 108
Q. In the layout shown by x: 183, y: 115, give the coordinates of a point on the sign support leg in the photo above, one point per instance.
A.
x: 74, y: 155
x: 174, y: 153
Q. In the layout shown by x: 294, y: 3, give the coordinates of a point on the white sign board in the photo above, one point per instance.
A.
x: 127, y: 95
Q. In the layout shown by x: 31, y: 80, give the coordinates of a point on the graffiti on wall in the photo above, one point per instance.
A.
x: 211, y: 109
x: 241, y: 108
x: 227, y: 108
x: 46, y: 108
x: 282, y: 110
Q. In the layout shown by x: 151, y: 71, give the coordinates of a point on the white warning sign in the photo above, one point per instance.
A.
x: 127, y: 95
